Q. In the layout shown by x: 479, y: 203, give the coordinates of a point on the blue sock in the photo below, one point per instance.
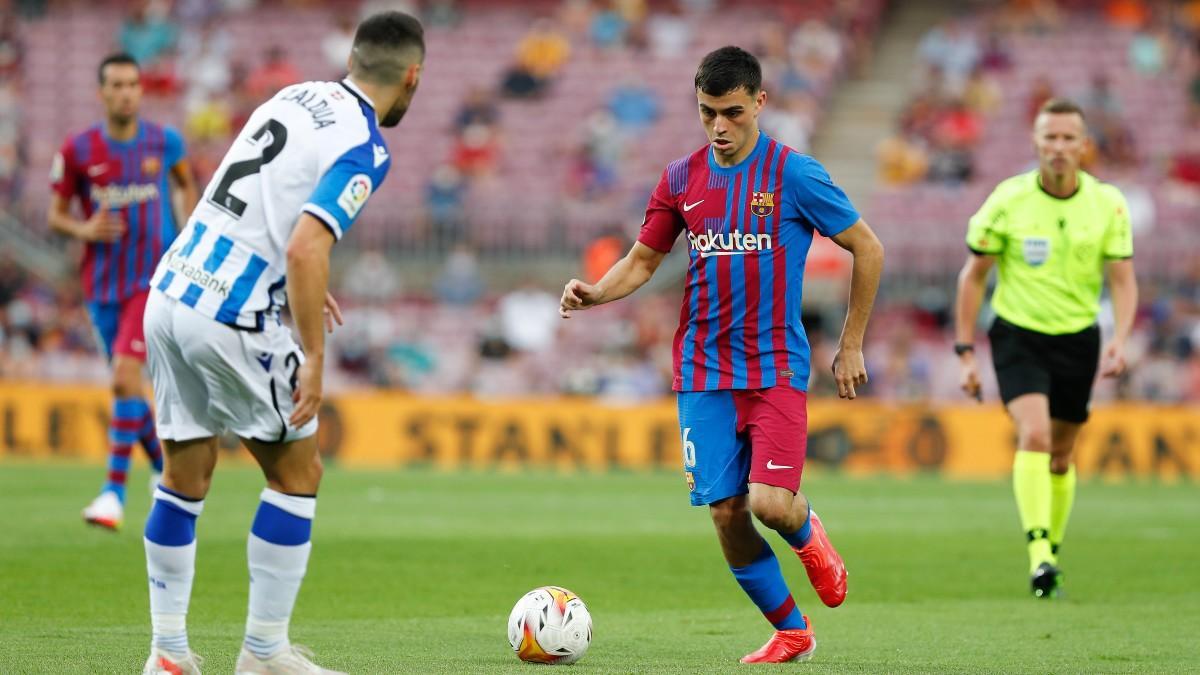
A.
x: 800, y: 537
x: 123, y: 431
x: 762, y: 580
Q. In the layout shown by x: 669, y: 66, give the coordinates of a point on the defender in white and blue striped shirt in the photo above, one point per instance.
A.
x: 292, y: 184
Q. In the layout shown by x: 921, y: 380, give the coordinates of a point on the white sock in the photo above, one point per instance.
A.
x: 277, y: 550
x: 170, y: 542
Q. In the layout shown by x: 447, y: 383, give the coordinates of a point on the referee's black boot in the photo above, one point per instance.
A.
x: 1045, y: 581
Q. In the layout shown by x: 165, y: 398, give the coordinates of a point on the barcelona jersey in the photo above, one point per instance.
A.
x: 131, y: 176
x: 749, y: 228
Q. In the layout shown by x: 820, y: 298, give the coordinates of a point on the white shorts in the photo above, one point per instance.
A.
x: 209, y: 378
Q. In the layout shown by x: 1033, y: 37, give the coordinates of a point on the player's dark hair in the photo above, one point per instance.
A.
x: 120, y: 58
x: 385, y: 44
x: 729, y: 69
x: 1062, y: 106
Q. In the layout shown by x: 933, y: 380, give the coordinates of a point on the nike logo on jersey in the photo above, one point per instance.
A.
x: 381, y: 155
x: 97, y: 170
x: 264, y: 360
x: 772, y: 465
x: 688, y: 207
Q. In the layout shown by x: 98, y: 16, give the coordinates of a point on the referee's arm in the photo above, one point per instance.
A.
x: 1122, y: 285
x: 972, y: 283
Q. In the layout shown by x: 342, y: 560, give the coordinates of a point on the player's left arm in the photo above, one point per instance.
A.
x: 1122, y: 284
x: 849, y: 366
x: 825, y: 206
x: 184, y: 193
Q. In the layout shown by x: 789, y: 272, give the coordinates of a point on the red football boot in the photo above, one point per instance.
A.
x: 797, y: 644
x: 825, y: 568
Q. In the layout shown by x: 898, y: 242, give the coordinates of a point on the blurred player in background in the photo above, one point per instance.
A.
x: 122, y: 170
x: 291, y: 185
x: 1051, y: 233
x: 750, y: 207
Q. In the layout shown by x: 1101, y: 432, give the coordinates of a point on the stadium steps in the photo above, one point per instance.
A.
x: 861, y: 111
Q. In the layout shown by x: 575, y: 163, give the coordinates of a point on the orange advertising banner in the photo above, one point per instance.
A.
x: 387, y: 429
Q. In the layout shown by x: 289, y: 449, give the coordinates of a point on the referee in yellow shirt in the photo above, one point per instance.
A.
x: 1051, y: 233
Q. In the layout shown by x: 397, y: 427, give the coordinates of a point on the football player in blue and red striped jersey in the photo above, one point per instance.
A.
x: 122, y: 171
x: 750, y: 207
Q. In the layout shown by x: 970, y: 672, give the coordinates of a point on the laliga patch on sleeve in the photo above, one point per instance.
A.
x: 355, y: 195
x: 57, y: 168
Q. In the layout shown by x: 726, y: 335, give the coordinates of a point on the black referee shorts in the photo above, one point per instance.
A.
x: 1063, y: 367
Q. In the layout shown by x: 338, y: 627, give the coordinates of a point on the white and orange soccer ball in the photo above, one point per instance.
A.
x: 550, y: 625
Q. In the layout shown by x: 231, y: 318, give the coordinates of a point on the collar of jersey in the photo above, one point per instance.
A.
x: 358, y: 93
x: 1037, y: 180
x: 121, y: 144
x: 758, y: 150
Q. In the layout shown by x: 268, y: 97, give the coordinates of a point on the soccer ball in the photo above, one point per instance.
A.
x: 550, y: 625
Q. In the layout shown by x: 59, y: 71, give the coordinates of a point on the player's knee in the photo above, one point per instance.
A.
x: 729, y: 514
x: 1034, y: 437
x: 189, y: 483
x: 1060, y: 463
x: 772, y: 514
x: 302, y: 480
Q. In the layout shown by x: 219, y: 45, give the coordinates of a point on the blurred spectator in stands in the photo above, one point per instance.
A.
x: 479, y: 107
x: 633, y: 105
x: 669, y: 33
x: 1148, y: 51
x: 336, y: 45
x: 922, y: 115
x: 982, y: 93
x: 441, y: 14
x: 540, y: 56
x: 604, y: 147
x: 1106, y: 123
x: 996, y: 57
x: 204, y: 63
x: 1128, y: 14
x: 902, y: 159
x: 954, y: 49
x: 10, y: 46
x: 476, y: 151
x: 275, y: 73
x: 148, y: 35
x: 444, y: 198
x: 459, y: 282
x: 370, y: 278
x: 609, y: 28
x: 574, y: 16
x: 12, y: 142
x: 815, y: 50
x: 790, y: 119
x: 528, y: 318
x: 603, y: 252
x: 1041, y: 91
x: 954, y: 137
x: 210, y: 119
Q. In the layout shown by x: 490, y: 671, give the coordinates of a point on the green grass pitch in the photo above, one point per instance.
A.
x: 416, y: 571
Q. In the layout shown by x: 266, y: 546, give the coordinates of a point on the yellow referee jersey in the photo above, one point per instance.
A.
x: 1051, y: 251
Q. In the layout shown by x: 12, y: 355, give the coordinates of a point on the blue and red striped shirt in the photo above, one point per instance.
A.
x: 132, y: 177
x: 749, y: 228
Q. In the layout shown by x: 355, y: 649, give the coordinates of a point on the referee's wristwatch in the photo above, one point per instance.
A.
x: 961, y: 348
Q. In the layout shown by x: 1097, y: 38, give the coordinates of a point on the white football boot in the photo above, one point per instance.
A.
x: 105, y: 511
x: 162, y: 662
x: 293, y: 660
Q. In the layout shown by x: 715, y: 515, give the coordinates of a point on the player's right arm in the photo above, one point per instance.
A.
x: 626, y: 276
x: 661, y: 227
x: 308, y: 252
x: 64, y: 180
x: 985, y: 239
